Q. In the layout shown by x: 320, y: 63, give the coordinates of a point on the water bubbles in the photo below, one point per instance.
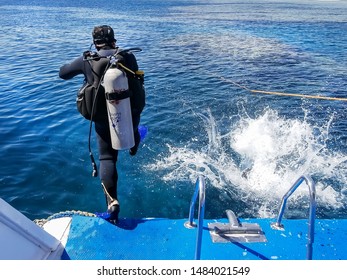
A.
x: 269, y: 153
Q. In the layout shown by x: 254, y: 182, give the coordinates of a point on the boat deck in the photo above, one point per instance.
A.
x: 93, y: 238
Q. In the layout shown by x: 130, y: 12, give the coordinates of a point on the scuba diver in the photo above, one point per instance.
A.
x: 91, y: 103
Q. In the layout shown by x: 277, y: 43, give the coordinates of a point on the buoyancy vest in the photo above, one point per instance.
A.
x: 91, y: 102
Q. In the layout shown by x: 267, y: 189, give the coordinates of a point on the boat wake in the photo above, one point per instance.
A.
x: 258, y: 160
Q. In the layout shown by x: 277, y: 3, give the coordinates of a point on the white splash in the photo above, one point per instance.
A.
x: 262, y: 159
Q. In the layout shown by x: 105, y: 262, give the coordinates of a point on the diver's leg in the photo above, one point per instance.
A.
x: 108, y: 169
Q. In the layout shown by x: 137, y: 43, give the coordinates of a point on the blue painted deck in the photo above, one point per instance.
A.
x: 165, y: 239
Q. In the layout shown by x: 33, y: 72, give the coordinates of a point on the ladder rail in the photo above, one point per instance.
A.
x: 199, y: 191
x: 312, y: 211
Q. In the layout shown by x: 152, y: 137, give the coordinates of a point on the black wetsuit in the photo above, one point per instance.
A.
x: 93, y: 71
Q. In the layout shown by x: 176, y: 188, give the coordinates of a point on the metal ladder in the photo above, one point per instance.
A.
x: 199, y: 190
x: 311, y: 220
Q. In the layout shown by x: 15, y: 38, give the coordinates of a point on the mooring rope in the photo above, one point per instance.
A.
x: 282, y: 93
x: 68, y: 213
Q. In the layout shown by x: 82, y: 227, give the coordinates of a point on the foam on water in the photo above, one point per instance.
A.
x: 259, y: 159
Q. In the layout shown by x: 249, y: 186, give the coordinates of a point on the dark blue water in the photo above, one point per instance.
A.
x: 199, y: 121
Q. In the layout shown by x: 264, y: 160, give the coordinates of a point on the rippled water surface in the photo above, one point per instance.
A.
x: 201, y: 59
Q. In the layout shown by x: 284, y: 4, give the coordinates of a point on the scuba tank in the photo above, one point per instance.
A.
x: 118, y: 107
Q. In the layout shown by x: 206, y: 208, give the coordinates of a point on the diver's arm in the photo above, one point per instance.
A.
x: 70, y: 70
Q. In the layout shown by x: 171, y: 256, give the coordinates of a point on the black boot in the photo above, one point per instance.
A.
x: 113, y: 207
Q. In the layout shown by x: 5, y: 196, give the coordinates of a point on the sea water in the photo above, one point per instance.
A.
x: 201, y: 60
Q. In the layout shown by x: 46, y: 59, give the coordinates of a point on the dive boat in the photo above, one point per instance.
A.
x: 75, y: 235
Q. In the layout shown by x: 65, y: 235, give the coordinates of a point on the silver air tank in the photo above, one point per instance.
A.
x: 118, y: 107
